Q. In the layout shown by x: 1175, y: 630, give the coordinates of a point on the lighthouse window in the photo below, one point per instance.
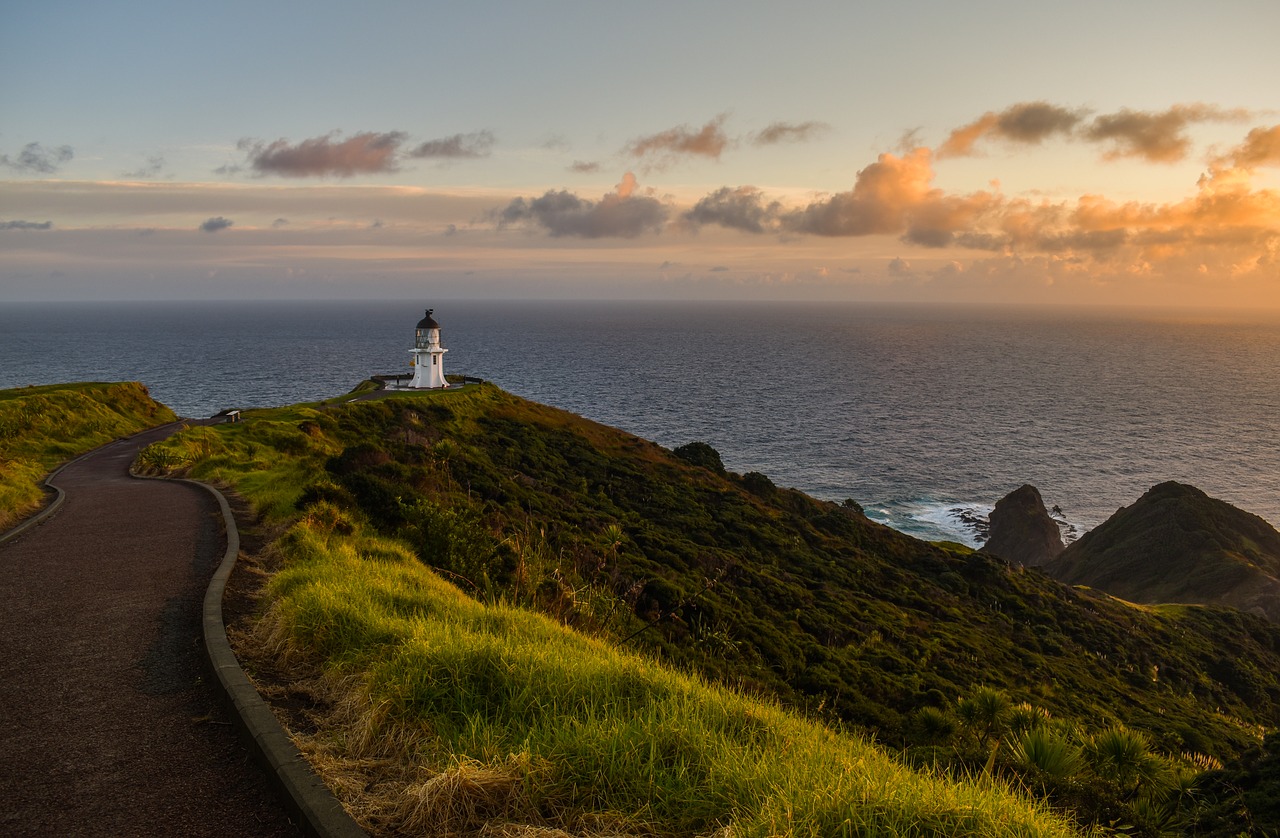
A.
x: 435, y: 359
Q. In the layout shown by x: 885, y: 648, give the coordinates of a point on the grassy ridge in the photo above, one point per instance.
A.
x: 743, y: 582
x: 515, y: 718
x: 42, y: 427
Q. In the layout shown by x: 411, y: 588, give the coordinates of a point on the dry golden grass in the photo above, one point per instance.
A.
x: 544, y: 752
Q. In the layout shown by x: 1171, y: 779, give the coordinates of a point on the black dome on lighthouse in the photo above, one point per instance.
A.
x: 428, y: 322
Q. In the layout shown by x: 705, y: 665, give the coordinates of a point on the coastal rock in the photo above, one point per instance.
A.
x: 1022, y: 531
x: 1176, y: 544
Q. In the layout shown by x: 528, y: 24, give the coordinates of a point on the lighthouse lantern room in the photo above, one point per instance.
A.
x: 428, y: 355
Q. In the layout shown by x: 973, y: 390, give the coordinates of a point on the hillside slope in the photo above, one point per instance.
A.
x: 1177, y: 544
x: 751, y: 585
x: 41, y: 427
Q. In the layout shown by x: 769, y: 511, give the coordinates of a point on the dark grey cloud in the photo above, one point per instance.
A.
x: 788, y: 132
x: 742, y: 208
x: 459, y: 146
x: 38, y: 159
x: 1028, y: 123
x: 621, y: 214
x: 583, y: 167
x: 364, y: 153
x: 1034, y: 122
x: 26, y: 225
x: 1156, y: 136
x: 213, y: 225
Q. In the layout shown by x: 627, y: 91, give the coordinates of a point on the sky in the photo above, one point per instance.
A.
x: 1092, y: 153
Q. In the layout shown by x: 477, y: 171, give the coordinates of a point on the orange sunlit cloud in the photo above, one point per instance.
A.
x: 909, y: 231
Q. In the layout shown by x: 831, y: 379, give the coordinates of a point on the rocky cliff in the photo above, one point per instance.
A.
x: 1021, y: 529
x: 1177, y: 544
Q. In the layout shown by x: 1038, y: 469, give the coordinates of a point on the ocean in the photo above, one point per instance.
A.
x: 924, y: 415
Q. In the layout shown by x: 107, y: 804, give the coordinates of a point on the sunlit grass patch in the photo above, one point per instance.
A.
x: 271, y: 457
x: 495, y: 714
x: 42, y: 427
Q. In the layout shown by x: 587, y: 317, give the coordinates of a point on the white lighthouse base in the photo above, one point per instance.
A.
x: 428, y: 369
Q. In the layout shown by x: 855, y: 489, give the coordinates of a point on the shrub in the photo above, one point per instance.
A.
x: 701, y: 454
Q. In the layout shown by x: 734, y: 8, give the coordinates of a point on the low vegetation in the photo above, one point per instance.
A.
x: 465, y: 715
x: 43, y: 427
x: 750, y: 589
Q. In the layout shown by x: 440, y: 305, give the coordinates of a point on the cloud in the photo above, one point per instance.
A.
x: 457, y: 147
x: 1155, y: 136
x: 1029, y: 123
x: 893, y: 196
x: 784, y: 132
x: 665, y: 147
x: 1261, y: 147
x: 742, y: 208
x: 38, y: 159
x: 619, y: 214
x: 364, y: 153
x: 584, y: 168
x: 899, y: 267
x: 152, y: 168
x: 26, y: 225
x: 213, y: 225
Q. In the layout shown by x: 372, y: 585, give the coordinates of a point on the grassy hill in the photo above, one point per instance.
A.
x: 1177, y: 544
x: 42, y: 427
x: 742, y: 584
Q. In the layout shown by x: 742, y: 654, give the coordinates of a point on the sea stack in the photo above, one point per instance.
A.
x: 1021, y: 529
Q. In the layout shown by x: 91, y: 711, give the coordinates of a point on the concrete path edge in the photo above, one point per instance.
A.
x: 320, y: 812
x: 45, y: 511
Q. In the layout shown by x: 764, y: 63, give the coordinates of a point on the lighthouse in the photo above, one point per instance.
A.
x: 428, y: 355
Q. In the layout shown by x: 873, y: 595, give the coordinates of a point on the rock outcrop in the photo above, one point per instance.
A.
x: 1177, y: 544
x: 1022, y: 531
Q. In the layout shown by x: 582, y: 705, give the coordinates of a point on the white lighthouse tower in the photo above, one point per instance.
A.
x: 428, y: 355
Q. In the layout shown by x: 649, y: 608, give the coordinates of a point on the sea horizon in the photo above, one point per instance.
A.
x: 924, y: 414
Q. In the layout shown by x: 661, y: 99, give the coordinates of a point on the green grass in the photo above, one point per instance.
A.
x: 747, y: 584
x: 42, y: 427
x: 575, y: 730
x: 271, y: 459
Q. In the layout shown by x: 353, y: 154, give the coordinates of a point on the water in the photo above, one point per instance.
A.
x: 926, y: 416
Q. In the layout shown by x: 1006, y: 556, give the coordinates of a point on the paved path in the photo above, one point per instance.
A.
x: 109, y: 724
